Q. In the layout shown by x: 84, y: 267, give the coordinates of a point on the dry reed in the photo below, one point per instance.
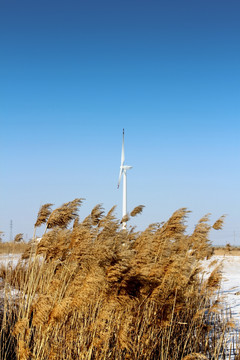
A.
x: 64, y: 215
x: 12, y: 247
x: 18, y: 238
x: 43, y: 214
x: 218, y: 225
x: 137, y: 210
x: 95, y: 291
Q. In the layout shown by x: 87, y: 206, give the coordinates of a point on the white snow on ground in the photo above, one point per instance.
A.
x: 230, y: 296
x: 11, y: 259
x: 230, y: 287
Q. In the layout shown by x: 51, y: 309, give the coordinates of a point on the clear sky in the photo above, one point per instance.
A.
x: 73, y: 73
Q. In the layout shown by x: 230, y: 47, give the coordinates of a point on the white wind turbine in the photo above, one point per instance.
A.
x: 123, y: 171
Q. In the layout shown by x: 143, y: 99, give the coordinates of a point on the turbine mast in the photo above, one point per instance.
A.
x: 124, y: 205
x: 123, y: 171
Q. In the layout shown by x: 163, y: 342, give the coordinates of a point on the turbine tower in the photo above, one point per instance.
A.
x: 123, y: 171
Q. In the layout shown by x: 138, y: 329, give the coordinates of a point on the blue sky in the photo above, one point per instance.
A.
x: 74, y: 73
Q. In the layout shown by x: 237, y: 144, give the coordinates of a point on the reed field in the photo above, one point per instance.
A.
x: 91, y: 290
x: 12, y: 248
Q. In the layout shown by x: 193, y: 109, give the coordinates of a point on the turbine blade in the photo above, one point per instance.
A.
x: 120, y: 176
x: 123, y: 155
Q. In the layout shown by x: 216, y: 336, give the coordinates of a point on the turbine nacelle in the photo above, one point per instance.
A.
x: 125, y: 167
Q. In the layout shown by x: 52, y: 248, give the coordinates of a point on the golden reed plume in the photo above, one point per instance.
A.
x: 63, y: 215
x: 18, y: 238
x: 137, y: 210
x: 218, y: 225
x: 43, y: 214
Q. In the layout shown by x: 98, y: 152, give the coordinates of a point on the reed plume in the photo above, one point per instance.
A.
x: 109, y: 218
x: 63, y: 215
x: 198, y: 242
x: 97, y: 214
x: 125, y: 218
x: 137, y: 210
x: 43, y: 214
x: 18, y: 238
x: 218, y: 225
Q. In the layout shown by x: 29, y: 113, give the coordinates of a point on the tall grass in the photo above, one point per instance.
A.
x: 95, y: 291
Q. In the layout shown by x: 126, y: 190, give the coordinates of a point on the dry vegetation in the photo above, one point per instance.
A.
x: 13, y: 247
x: 95, y: 291
x: 228, y: 249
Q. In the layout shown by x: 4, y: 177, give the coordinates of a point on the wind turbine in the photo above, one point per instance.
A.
x: 123, y: 171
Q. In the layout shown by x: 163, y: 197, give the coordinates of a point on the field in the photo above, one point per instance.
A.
x: 227, y: 250
x: 90, y: 290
